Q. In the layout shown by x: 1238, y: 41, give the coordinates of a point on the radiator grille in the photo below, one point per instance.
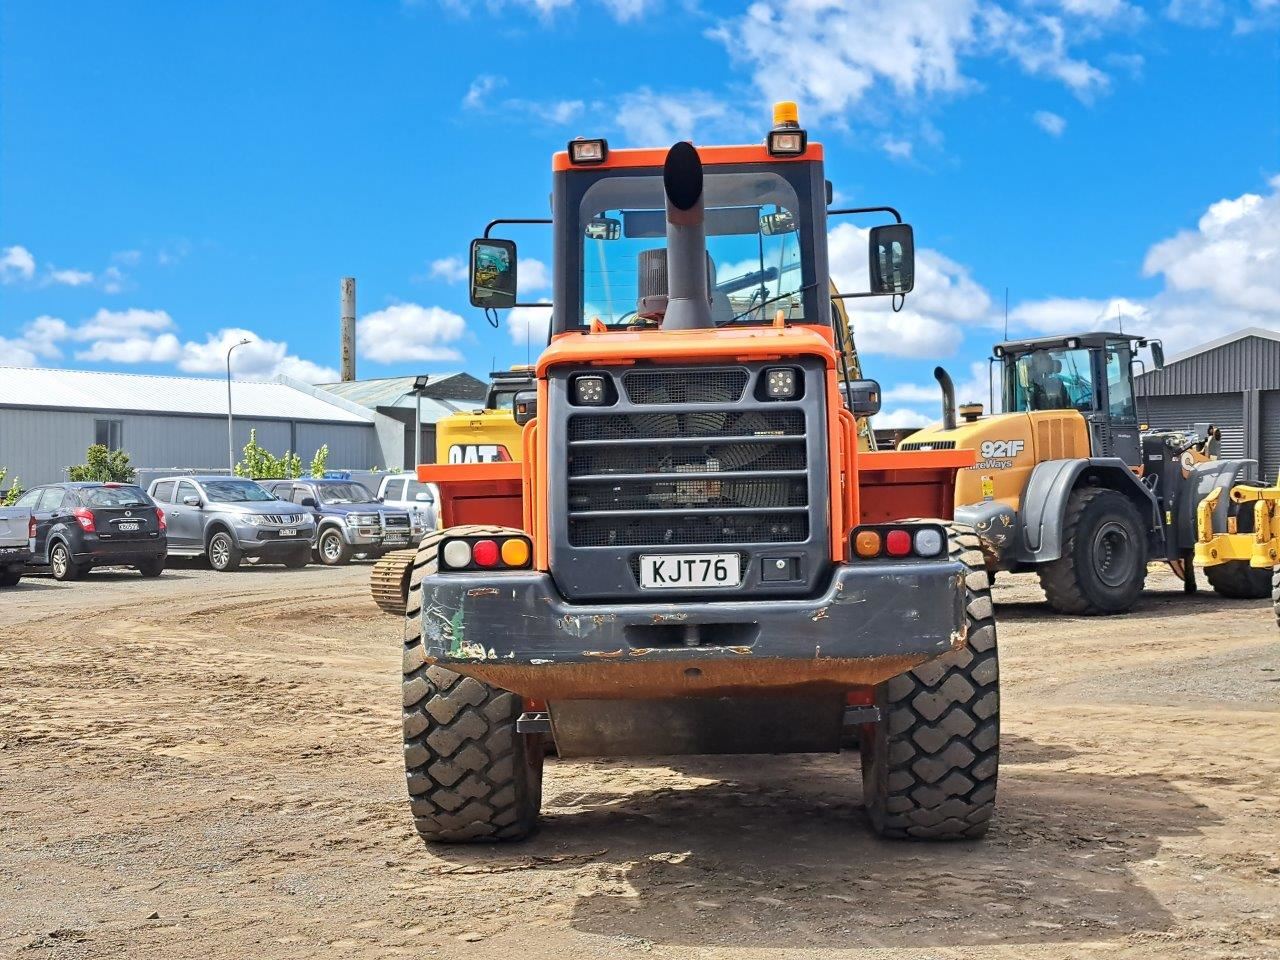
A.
x: 679, y: 386
x: 686, y: 477
x: 928, y: 445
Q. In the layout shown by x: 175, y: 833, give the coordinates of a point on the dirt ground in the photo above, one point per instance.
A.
x: 209, y: 766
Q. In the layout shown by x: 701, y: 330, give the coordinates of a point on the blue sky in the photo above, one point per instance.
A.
x: 174, y: 177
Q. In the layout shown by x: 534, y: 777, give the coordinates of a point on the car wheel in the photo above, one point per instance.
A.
x: 152, y: 568
x: 61, y: 564
x: 298, y: 559
x: 333, y: 549
x: 224, y: 552
x: 10, y: 578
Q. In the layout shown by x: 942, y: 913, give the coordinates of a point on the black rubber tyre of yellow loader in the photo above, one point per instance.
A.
x: 1103, y: 566
x: 930, y: 765
x: 471, y: 777
x: 1237, y: 580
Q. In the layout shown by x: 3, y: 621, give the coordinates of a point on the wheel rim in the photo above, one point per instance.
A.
x: 330, y: 547
x: 59, y: 562
x: 219, y: 551
x: 1113, y: 554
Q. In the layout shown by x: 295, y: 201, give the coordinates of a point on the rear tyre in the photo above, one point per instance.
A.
x: 223, y: 552
x: 929, y: 766
x: 1236, y: 580
x: 10, y: 578
x: 471, y: 777
x: 332, y: 549
x: 61, y: 565
x: 1103, y: 566
x: 152, y: 568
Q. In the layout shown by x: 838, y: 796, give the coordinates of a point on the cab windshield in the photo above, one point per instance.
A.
x: 235, y: 491
x: 1052, y: 380
x: 754, y: 222
x: 339, y: 493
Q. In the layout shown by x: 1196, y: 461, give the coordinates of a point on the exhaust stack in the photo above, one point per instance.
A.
x: 948, y: 398
x: 688, y: 288
x: 348, y: 329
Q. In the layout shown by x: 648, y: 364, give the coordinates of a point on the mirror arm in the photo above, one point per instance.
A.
x: 848, y: 210
x: 518, y: 220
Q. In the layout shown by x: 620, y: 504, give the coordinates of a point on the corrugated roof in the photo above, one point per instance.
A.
x: 396, y: 392
x: 96, y: 390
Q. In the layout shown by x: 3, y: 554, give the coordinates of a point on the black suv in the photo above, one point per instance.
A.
x: 83, y: 525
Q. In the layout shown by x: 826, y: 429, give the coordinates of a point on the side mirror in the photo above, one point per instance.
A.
x: 526, y: 406
x: 493, y: 273
x: 775, y: 224
x: 893, y: 258
x: 862, y: 396
x: 308, y: 502
x: 191, y: 501
x: 603, y: 228
x: 1157, y: 354
x: 424, y: 498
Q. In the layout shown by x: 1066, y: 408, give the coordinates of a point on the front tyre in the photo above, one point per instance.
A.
x: 471, y: 777
x: 298, y: 559
x: 223, y: 552
x: 1103, y: 566
x: 332, y: 548
x: 1237, y: 580
x: 929, y: 766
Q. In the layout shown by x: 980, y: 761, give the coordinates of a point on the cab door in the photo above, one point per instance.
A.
x: 1120, y: 438
x: 186, y: 520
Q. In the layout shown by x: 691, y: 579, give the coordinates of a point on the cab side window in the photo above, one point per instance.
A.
x: 29, y: 499
x: 164, y: 491
x: 300, y: 493
x: 395, y: 490
x: 51, y: 500
x: 185, y: 489
x: 1120, y: 385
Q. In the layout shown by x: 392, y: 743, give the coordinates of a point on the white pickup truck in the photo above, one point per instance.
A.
x: 403, y: 490
x: 15, y: 544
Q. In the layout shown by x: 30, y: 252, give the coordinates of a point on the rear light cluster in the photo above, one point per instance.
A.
x: 486, y: 553
x: 898, y: 541
x: 160, y: 520
x: 85, y: 518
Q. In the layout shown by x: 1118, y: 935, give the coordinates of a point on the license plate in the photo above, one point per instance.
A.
x: 286, y: 532
x: 128, y: 527
x: 395, y: 539
x: 658, y: 572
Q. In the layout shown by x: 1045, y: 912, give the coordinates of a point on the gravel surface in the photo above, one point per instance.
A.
x: 208, y: 766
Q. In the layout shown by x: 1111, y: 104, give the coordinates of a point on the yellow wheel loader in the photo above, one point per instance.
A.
x: 1069, y: 485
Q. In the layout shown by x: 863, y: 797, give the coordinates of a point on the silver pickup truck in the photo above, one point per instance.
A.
x: 15, y: 544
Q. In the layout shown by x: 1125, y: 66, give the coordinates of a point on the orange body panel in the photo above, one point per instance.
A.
x: 900, y: 485
x: 655, y: 158
x: 478, y: 492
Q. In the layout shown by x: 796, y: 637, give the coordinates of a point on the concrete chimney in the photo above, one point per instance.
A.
x: 348, y: 329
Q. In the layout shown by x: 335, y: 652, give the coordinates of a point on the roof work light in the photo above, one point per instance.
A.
x: 787, y: 139
x: 584, y: 152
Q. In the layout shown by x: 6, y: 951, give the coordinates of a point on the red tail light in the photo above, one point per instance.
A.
x: 85, y: 519
x: 31, y: 529
x: 160, y: 519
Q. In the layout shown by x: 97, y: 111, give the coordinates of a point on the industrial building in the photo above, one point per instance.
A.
x: 1232, y: 383
x: 395, y: 397
x: 49, y: 418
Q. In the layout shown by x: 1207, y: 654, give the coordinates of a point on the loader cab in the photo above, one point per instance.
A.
x: 1091, y: 373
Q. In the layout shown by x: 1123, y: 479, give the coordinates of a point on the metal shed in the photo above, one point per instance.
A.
x: 1232, y: 382
x: 48, y: 418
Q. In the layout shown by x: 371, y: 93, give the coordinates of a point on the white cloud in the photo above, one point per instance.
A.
x: 407, y: 331
x: 1196, y: 13
x: 257, y: 360
x: 532, y: 275
x: 1050, y: 123
x: 900, y: 419
x: 70, y: 278
x: 162, y: 349
x: 529, y: 326
x: 556, y: 112
x: 648, y: 119
x: 625, y: 11
x: 37, y: 341
x: 113, y: 280
x: 912, y: 393
x: 122, y: 324
x: 1218, y: 278
x: 1039, y: 45
x: 16, y: 263
x: 896, y: 148
x: 130, y: 258
x: 1100, y: 9
x: 449, y: 269
x: 477, y: 96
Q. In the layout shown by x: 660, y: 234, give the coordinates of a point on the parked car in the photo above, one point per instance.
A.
x: 77, y: 526
x: 349, y: 519
x: 406, y: 492
x: 15, y: 544
x: 227, y: 519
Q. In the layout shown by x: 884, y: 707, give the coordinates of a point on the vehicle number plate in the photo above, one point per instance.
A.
x: 658, y: 572
x: 286, y: 532
x: 128, y: 527
x: 395, y: 539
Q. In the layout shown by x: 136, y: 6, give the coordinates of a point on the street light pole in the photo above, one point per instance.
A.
x: 231, y: 444
x: 419, y: 386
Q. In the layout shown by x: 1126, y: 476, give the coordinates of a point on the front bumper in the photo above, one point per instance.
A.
x: 514, y: 630
x: 267, y: 541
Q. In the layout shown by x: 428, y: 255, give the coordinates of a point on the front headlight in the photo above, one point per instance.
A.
x: 351, y: 520
x: 253, y: 520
